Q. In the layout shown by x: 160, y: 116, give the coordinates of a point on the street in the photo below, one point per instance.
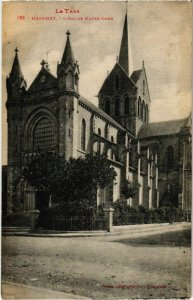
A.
x: 121, y: 266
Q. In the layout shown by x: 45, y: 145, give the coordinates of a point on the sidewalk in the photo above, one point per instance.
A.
x: 143, y: 229
x: 12, y: 290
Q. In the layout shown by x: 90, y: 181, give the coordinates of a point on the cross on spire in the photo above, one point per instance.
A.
x: 68, y: 33
x: 16, y: 50
x: 43, y: 62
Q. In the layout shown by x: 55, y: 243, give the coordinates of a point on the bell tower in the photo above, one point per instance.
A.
x: 16, y: 88
x: 68, y: 88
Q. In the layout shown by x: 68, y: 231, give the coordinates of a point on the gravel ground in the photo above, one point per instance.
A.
x: 151, y: 267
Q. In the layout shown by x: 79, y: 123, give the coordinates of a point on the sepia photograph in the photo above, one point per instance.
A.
x: 96, y: 149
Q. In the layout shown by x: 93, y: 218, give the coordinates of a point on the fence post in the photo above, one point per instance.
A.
x: 109, y: 218
x: 34, y: 214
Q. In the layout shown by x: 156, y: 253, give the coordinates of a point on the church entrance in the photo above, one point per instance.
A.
x: 42, y: 200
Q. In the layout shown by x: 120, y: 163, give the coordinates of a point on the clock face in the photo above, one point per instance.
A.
x: 43, y: 79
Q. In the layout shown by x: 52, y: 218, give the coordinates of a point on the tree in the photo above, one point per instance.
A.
x: 72, y: 183
x: 129, y: 189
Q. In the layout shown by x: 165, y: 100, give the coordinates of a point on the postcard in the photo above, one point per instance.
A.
x: 96, y: 149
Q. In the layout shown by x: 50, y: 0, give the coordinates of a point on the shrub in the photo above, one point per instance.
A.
x: 125, y: 215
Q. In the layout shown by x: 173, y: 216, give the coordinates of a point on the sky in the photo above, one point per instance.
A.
x: 160, y: 33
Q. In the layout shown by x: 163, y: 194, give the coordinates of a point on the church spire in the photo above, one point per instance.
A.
x: 68, y: 69
x: 16, y: 73
x: 124, y: 49
x: 15, y: 82
x: 68, y: 56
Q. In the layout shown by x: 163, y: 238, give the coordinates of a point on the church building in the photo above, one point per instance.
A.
x: 51, y: 115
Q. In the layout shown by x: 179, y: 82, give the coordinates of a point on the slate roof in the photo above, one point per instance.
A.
x: 135, y: 75
x: 100, y: 112
x: 161, y: 128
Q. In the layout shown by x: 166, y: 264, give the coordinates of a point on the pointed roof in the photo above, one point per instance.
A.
x: 43, y: 81
x: 68, y: 56
x: 126, y: 81
x: 136, y: 75
x: 16, y: 72
x: 124, y: 49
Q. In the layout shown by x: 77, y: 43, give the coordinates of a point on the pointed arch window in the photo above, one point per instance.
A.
x: 76, y: 80
x: 170, y: 157
x: 126, y: 106
x: 111, y: 155
x: 83, y: 135
x: 107, y: 107
x: 106, y: 131
x: 143, y: 87
x: 44, y: 136
x: 69, y: 80
x: 116, y: 107
x: 143, y: 111
x: 99, y: 143
x: 139, y: 106
x: 146, y: 113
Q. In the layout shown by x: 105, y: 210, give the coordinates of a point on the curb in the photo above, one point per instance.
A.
x: 149, y: 228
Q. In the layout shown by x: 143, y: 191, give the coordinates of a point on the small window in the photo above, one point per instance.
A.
x: 106, y: 131
x: 112, y: 139
x: 131, y: 158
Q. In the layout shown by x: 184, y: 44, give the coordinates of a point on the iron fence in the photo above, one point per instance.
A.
x: 76, y: 223
x: 128, y: 219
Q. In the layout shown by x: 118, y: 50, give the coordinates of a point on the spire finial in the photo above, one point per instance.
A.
x: 117, y: 58
x: 43, y: 62
x: 143, y: 63
x: 68, y: 34
x: 126, y: 7
x: 16, y: 50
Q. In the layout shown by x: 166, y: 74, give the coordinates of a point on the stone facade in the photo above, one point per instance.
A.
x: 52, y: 115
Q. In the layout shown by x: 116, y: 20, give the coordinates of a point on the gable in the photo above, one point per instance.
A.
x: 109, y: 86
x: 140, y: 79
x: 43, y: 81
